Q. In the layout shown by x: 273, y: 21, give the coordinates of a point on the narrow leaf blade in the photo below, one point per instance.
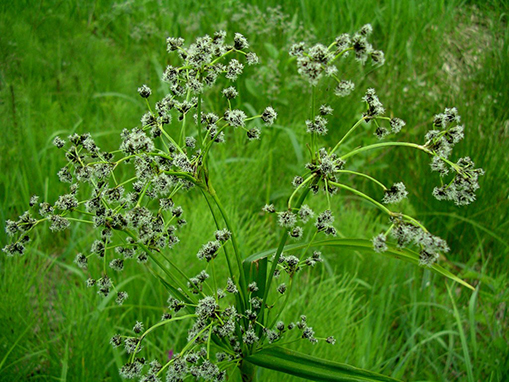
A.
x: 404, y: 254
x: 313, y: 368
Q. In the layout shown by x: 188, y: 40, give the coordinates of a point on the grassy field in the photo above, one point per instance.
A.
x: 74, y: 66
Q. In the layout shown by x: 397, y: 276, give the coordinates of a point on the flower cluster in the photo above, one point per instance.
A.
x: 319, y: 124
x: 328, y: 169
x: 412, y: 233
x: 213, y: 319
x: 136, y: 220
x: 292, y: 265
x: 319, y: 60
x: 440, y: 142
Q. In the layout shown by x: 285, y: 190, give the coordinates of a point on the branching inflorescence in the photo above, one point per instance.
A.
x: 138, y: 219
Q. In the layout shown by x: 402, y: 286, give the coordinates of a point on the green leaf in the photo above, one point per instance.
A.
x: 404, y: 254
x: 253, y: 88
x: 256, y: 271
x: 313, y: 368
x: 295, y: 141
x: 14, y: 345
x: 117, y: 95
x: 272, y: 50
x: 164, y: 87
x: 175, y: 292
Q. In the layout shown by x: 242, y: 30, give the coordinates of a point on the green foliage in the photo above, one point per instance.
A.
x: 312, y: 368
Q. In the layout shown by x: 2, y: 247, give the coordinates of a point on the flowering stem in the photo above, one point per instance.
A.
x: 172, y: 264
x: 347, y: 134
x: 282, y: 309
x: 142, y: 194
x: 127, y: 181
x: 313, y: 134
x: 80, y: 220
x: 340, y: 54
x: 416, y: 222
x: 155, y: 260
x: 242, y: 280
x: 389, y: 230
x: 297, y: 189
x: 206, y: 150
x: 199, y: 119
x: 184, y: 175
x: 364, y: 196
x: 361, y: 174
x: 152, y: 328
x: 327, y: 192
x: 218, y: 227
x: 385, y: 144
x: 183, y: 129
x: 208, y: 342
x: 166, y: 322
x: 134, y: 156
x: 279, y: 251
x: 220, y: 57
x: 171, y: 139
x: 212, y: 192
x: 189, y: 345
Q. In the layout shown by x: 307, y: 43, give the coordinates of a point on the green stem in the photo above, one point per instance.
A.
x: 213, y: 193
x: 184, y: 175
x: 209, y: 145
x: 218, y: 227
x: 191, y: 343
x: 184, y: 115
x: 127, y: 181
x: 363, y: 175
x: 326, y: 182
x: 152, y: 328
x: 180, y: 318
x: 269, y: 178
x: 142, y: 194
x: 199, y: 119
x: 297, y: 189
x: 188, y: 346
x: 157, y: 262
x: 279, y: 251
x: 416, y: 222
x: 247, y: 371
x: 347, y: 134
x: 80, y: 220
x: 385, y: 144
x: 172, y: 264
x: 340, y: 54
x: 242, y: 281
x: 168, y: 137
x: 313, y: 135
x: 364, y: 196
x: 288, y: 292
x: 220, y: 57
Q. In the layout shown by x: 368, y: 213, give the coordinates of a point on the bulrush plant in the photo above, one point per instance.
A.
x: 235, y: 323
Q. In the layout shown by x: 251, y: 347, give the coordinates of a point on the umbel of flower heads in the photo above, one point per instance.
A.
x: 235, y: 323
x: 328, y: 166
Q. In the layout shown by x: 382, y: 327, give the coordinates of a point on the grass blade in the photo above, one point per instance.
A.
x: 316, y: 369
x: 404, y: 254
x: 464, y: 345
x: 13, y: 346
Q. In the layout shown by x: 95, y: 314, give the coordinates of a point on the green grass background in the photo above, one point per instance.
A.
x: 70, y: 66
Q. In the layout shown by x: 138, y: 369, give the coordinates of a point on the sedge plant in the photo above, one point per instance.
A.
x: 130, y: 197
